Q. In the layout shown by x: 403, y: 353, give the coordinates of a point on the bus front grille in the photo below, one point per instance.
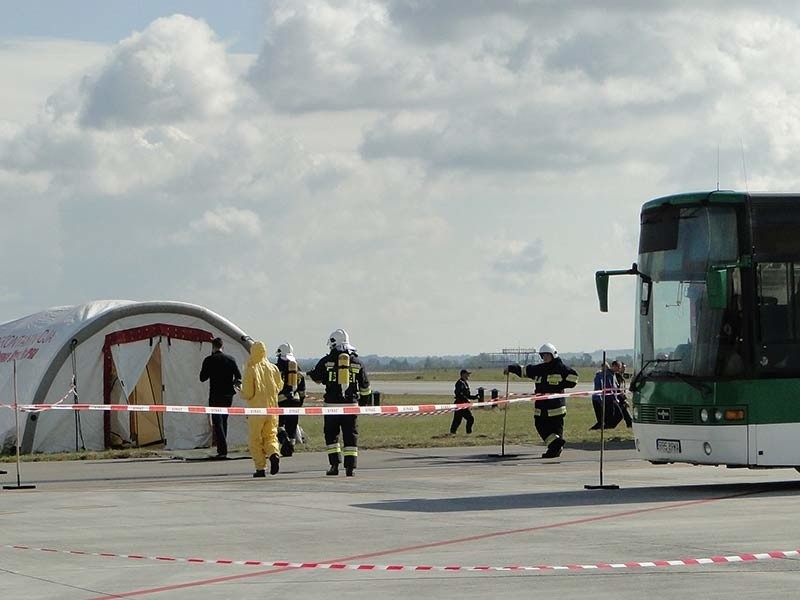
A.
x: 682, y: 415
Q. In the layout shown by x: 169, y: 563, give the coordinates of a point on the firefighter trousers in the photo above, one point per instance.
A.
x: 549, y: 429
x: 348, y: 425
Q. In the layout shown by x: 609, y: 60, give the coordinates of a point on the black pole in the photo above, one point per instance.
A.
x: 19, y: 486
x: 602, y: 486
x: 505, y: 416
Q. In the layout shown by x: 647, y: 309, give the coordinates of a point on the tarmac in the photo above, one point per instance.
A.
x: 128, y: 528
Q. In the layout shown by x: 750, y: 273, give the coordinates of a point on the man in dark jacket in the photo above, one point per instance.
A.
x: 552, y: 377
x: 345, y: 380
x: 463, y: 396
x: 606, y: 404
x: 224, y: 377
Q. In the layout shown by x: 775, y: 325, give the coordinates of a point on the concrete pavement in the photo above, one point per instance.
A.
x: 444, y: 506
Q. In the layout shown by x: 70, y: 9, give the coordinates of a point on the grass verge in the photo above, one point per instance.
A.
x: 382, y: 432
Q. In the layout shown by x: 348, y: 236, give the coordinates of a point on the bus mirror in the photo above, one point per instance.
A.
x: 601, y: 282
x: 644, y: 306
x: 717, y: 286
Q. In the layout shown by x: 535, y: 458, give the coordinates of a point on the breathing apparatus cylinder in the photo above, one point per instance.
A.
x: 291, y: 375
x: 343, y: 369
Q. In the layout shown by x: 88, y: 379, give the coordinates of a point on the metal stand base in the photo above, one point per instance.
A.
x: 503, y: 455
x: 19, y: 487
x: 610, y: 486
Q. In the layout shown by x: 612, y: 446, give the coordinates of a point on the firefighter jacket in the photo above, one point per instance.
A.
x: 462, y: 393
x: 327, y: 372
x: 550, y: 378
x: 261, y: 380
x: 288, y: 396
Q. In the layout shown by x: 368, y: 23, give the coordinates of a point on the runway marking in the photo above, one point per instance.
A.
x: 391, y: 551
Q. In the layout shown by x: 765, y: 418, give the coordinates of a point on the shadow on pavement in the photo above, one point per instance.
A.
x: 587, y: 497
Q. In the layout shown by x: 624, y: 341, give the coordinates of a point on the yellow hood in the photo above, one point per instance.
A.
x: 258, y: 353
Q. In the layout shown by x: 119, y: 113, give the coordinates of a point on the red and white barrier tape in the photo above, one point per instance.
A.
x: 684, y: 562
x: 330, y: 409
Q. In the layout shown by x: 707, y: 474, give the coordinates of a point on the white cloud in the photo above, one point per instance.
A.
x: 173, y: 71
x: 213, y: 224
x: 436, y: 177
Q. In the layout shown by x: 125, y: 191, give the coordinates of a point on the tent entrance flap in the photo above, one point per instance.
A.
x: 147, y: 428
x: 155, y: 364
x: 136, y: 371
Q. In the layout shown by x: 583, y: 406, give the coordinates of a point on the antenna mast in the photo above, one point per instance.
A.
x: 744, y: 166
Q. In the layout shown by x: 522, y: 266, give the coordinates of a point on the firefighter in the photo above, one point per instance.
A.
x: 293, y: 393
x: 551, y: 376
x: 463, y: 396
x: 345, y: 380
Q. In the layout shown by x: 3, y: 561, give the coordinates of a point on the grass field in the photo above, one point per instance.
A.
x: 420, y: 431
x: 586, y: 375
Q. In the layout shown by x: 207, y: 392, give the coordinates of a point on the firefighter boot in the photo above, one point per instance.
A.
x: 274, y: 464
x: 554, y: 449
x: 349, y: 465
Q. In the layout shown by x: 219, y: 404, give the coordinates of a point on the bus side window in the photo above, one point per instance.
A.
x: 775, y: 325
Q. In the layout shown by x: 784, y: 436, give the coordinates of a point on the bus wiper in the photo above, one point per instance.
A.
x: 688, y: 380
x: 638, y: 380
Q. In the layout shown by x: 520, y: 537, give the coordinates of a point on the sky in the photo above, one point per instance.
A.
x: 436, y: 177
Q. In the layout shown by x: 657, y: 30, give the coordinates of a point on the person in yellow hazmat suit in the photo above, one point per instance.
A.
x: 260, y: 385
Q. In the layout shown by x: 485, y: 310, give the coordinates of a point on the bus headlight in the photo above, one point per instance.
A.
x: 704, y: 415
x: 707, y: 448
x: 718, y: 415
x: 636, y: 412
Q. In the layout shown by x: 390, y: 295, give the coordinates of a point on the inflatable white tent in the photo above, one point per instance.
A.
x: 117, y: 352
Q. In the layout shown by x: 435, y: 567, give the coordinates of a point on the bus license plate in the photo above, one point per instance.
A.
x: 669, y: 446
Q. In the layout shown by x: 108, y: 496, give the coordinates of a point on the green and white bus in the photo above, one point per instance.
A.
x: 717, y: 349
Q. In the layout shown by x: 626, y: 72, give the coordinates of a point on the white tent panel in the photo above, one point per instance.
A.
x: 120, y: 421
x: 7, y: 421
x: 181, y: 362
x: 65, y: 431
x: 130, y: 361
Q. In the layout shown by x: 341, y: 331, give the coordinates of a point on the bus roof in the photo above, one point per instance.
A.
x: 693, y: 198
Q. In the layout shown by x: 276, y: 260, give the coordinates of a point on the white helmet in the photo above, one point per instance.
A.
x: 339, y: 339
x: 285, y: 351
x: 548, y: 348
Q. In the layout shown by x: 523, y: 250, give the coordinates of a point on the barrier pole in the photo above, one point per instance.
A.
x: 505, y: 416
x: 602, y: 486
x: 19, y: 486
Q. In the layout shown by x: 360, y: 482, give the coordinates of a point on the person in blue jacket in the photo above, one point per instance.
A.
x: 605, y: 382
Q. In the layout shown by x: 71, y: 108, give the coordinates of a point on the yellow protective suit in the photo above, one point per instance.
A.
x: 261, y: 383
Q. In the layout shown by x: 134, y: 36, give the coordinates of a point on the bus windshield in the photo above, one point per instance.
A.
x: 680, y: 334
